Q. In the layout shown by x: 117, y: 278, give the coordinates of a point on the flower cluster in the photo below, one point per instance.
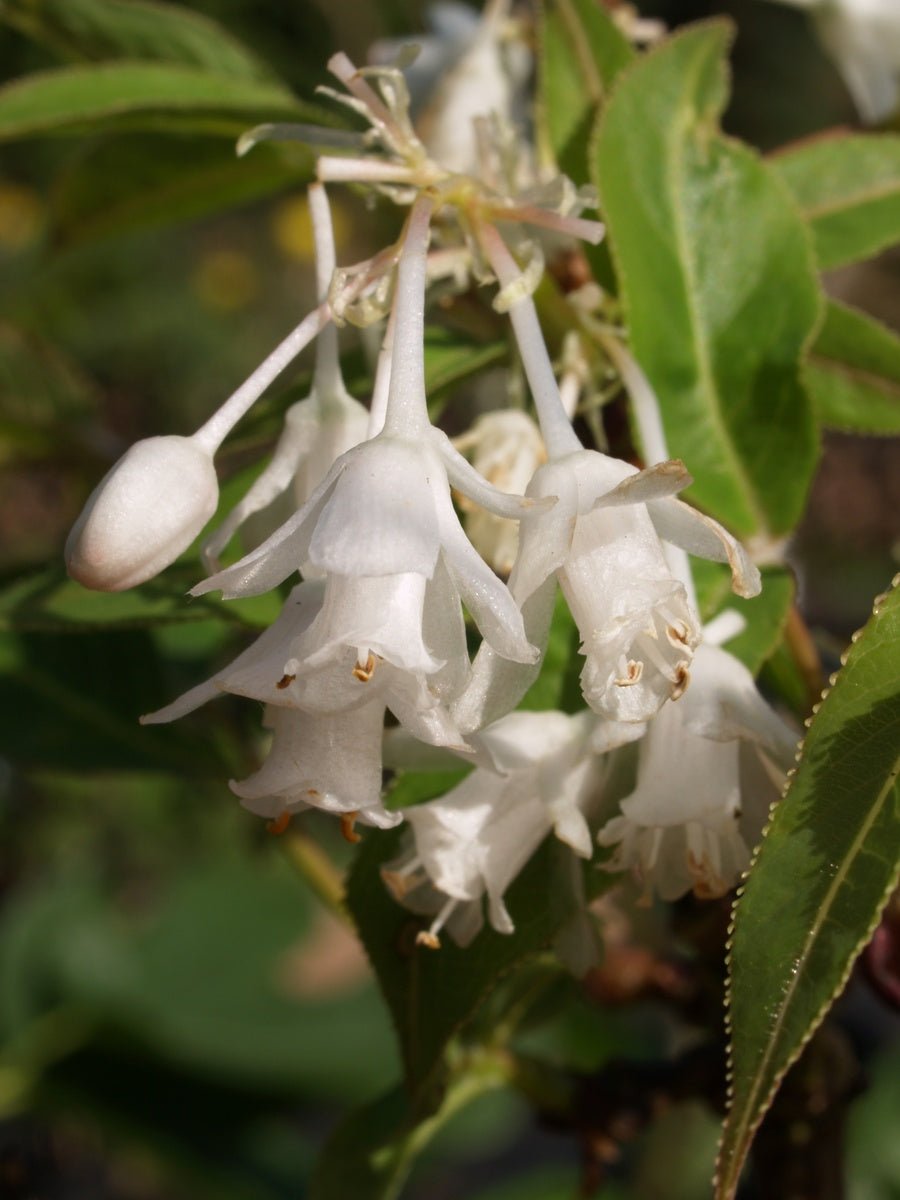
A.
x: 384, y: 573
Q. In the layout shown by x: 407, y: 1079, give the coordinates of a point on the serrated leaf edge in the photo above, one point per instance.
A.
x: 725, y: 1184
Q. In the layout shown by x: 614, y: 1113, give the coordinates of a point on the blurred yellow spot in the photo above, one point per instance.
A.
x: 226, y: 280
x: 21, y: 214
x: 292, y: 228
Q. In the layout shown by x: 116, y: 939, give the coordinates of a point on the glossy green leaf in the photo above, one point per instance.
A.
x: 98, y: 30
x: 432, y: 994
x: 582, y: 52
x: 765, y: 614
x: 136, y: 95
x: 827, y: 865
x: 149, y: 180
x: 853, y: 373
x: 718, y: 283
x: 848, y: 189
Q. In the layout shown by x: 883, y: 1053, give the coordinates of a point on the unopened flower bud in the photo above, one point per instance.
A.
x: 147, y: 509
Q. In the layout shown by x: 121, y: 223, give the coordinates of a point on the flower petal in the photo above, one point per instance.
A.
x: 466, y: 479
x: 380, y: 519
x: 653, y: 483
x: 723, y: 703
x: 279, y: 555
x: 496, y: 685
x: 486, y: 597
x: 698, y: 534
x: 255, y: 672
x: 330, y: 762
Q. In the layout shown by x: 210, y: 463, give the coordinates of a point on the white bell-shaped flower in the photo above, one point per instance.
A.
x: 474, y: 841
x: 330, y: 761
x: 709, y: 767
x: 264, y: 672
x: 145, y: 511
x: 382, y: 531
x: 602, y: 541
x: 505, y: 447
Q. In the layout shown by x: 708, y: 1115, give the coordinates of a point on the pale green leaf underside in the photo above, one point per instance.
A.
x: 717, y: 280
x: 853, y: 373
x: 140, y: 95
x: 133, y: 29
x: 848, y: 189
x: 822, y: 875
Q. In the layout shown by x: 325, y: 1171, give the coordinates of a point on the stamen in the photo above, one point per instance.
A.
x: 655, y: 844
x: 348, y: 820
x: 429, y: 937
x: 279, y: 824
x: 678, y: 633
x: 630, y: 672
x: 652, y: 651
x: 364, y: 671
x: 405, y: 879
x: 682, y: 679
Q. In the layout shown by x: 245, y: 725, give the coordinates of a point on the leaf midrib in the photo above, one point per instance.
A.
x: 708, y: 382
x: 863, y: 375
x: 853, y: 200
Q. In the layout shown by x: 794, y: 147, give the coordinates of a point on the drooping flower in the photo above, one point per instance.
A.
x: 863, y: 38
x: 602, y: 540
x: 603, y: 543
x: 709, y: 768
x: 329, y: 761
x: 381, y: 530
x: 475, y: 840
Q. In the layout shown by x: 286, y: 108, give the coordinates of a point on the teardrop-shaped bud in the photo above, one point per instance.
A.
x: 147, y: 509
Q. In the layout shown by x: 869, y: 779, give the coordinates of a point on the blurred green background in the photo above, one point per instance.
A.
x: 179, y: 1016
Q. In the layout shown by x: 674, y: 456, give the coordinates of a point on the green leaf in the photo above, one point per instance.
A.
x: 73, y: 703
x: 848, y: 189
x: 765, y: 614
x: 582, y: 53
x: 219, y: 984
x: 451, y: 358
x: 718, y: 283
x: 75, y: 100
x: 150, y: 180
x: 97, y: 30
x: 432, y: 994
x: 46, y: 601
x: 828, y: 863
x: 853, y: 373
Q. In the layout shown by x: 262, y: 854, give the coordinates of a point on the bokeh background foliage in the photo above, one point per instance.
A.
x: 179, y: 1014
